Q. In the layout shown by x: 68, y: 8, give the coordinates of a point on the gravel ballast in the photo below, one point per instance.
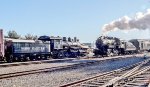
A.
x: 57, y: 78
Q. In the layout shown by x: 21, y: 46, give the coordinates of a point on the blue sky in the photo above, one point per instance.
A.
x: 81, y: 18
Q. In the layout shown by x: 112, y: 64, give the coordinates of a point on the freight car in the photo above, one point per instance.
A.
x: 109, y: 46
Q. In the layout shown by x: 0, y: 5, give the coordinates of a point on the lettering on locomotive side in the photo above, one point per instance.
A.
x: 30, y: 49
x: 25, y: 49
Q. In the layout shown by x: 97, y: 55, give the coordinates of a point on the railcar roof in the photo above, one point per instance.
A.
x: 48, y: 38
x: 140, y: 39
x: 55, y: 38
x: 19, y: 40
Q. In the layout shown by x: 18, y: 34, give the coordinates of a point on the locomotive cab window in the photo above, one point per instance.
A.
x: 57, y: 41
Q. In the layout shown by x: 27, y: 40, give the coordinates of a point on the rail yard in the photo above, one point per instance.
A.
x: 116, y: 78
x: 66, y: 73
x: 64, y: 62
x: 74, y: 43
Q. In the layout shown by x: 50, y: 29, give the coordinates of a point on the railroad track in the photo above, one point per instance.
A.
x: 142, y: 80
x: 33, y: 62
x: 57, y: 60
x: 72, y: 66
x: 21, y: 73
x: 116, y: 78
x: 136, y: 79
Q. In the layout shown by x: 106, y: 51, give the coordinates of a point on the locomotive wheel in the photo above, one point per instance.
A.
x: 48, y: 57
x: 43, y: 57
x: 20, y: 59
x: 16, y: 59
x: 109, y: 54
x: 9, y: 58
x: 66, y: 55
x: 35, y: 57
x: 96, y: 56
x: 31, y: 58
x: 25, y: 58
x: 38, y: 58
x: 60, y: 55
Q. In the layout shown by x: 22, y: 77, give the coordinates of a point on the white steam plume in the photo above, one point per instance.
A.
x: 141, y: 21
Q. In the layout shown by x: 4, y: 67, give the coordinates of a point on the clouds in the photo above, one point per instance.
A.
x: 140, y: 21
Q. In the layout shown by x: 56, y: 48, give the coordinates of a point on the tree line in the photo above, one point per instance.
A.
x: 14, y: 35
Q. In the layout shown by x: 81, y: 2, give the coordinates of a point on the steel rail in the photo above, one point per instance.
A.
x: 103, y: 75
x: 15, y: 74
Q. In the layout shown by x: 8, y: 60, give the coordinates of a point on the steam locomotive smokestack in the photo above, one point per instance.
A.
x: 69, y: 39
x: 141, y: 21
x: 64, y: 39
x: 75, y: 39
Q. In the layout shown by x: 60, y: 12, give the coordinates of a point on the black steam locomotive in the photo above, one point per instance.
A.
x: 110, y: 46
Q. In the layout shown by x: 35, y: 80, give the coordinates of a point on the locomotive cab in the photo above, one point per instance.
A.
x: 56, y: 47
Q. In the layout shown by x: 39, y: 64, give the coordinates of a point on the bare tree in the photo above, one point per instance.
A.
x: 35, y: 37
x: 13, y: 34
x: 31, y: 37
x: 5, y: 36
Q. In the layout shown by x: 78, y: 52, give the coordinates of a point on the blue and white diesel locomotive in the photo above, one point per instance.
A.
x: 22, y: 50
